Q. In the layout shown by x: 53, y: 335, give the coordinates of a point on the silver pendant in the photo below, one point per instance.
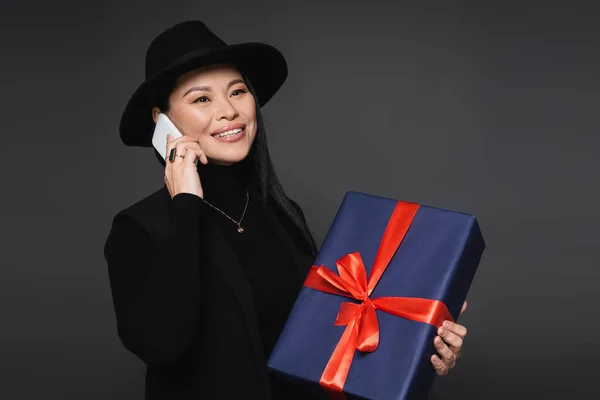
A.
x: 240, y: 229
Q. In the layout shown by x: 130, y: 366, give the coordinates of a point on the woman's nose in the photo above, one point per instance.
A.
x: 226, y: 110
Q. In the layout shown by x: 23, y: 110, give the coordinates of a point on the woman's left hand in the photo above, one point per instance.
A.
x: 449, y: 344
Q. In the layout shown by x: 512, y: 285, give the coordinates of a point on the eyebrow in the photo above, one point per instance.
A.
x: 209, y: 89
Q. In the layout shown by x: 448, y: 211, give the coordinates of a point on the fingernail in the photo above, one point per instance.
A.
x: 447, y: 324
x: 442, y: 331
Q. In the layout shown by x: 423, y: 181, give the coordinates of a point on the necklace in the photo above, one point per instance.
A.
x: 238, y: 223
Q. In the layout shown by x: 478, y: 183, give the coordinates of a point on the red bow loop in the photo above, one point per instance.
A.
x: 354, y: 275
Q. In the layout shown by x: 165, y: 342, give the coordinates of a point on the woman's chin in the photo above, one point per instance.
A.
x: 229, y: 157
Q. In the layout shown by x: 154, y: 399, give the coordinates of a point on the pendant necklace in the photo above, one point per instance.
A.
x: 240, y: 229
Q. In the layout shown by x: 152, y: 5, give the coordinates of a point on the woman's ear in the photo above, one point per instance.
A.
x: 155, y: 112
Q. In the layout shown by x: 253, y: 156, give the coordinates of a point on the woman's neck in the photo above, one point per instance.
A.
x: 223, y: 183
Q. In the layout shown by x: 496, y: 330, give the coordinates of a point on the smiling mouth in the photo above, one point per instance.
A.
x: 228, y: 133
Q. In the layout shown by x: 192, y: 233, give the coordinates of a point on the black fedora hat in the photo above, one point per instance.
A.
x: 186, y: 46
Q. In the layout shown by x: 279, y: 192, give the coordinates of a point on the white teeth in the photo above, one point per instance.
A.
x: 229, y: 133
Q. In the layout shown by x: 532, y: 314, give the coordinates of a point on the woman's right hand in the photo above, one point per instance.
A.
x: 181, y: 175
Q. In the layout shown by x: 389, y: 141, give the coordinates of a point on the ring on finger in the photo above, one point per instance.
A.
x: 171, y: 157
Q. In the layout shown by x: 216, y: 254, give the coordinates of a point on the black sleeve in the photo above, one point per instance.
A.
x: 156, y: 286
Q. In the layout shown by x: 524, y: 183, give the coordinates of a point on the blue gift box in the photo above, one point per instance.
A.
x: 437, y: 259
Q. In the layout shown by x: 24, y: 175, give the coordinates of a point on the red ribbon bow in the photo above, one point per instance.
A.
x: 362, y: 328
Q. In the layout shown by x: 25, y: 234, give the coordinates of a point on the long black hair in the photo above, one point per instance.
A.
x: 260, y: 169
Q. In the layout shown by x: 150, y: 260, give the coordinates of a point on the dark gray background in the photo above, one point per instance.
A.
x: 486, y: 108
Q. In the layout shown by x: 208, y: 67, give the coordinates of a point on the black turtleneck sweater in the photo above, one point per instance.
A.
x: 258, y: 249
x: 154, y: 290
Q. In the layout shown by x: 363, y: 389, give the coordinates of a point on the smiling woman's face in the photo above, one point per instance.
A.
x: 214, y: 106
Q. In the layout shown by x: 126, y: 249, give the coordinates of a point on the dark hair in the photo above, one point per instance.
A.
x: 261, y: 171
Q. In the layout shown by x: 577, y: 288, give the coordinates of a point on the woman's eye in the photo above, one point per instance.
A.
x: 201, y: 99
x: 237, y: 91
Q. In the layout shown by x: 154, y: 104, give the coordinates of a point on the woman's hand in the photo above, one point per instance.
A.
x: 449, y: 344
x: 181, y: 174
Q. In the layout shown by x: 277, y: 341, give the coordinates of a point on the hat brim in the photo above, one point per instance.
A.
x: 263, y: 64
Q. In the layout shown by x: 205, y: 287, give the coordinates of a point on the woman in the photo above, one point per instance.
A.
x: 204, y: 271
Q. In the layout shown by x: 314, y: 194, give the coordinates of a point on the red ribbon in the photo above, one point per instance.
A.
x: 362, y: 328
